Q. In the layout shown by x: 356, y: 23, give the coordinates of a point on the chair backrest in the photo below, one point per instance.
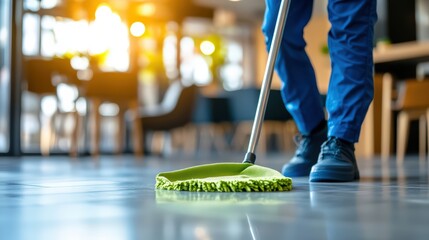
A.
x: 112, y: 86
x: 276, y: 110
x: 39, y: 74
x: 183, y: 111
x: 179, y: 116
x: 412, y: 94
x: 172, y: 95
x: 212, y: 109
x: 243, y: 105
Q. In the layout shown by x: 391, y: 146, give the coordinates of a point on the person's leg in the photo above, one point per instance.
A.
x: 350, y: 90
x: 350, y: 43
x: 299, y: 89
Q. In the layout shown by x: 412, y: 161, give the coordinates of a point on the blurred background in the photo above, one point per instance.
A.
x: 153, y: 77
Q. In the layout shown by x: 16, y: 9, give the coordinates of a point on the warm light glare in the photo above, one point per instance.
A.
x: 85, y: 75
x: 108, y: 110
x: 170, y: 56
x: 67, y: 94
x: 109, y: 39
x: 137, y: 29
x: 147, y: 9
x: 79, y: 63
x: 201, y: 71
x: 49, y: 4
x: 71, y: 37
x: 49, y: 105
x: 103, y: 12
x: 207, y: 48
x: 81, y: 106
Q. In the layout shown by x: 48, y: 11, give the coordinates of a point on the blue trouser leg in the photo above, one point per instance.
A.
x: 299, y: 89
x: 350, y: 44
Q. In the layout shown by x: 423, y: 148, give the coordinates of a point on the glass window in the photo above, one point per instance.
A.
x: 232, y: 71
x: 30, y: 34
x: 31, y: 5
x: 48, y: 36
x: 48, y: 4
x: 5, y: 35
x: 170, y: 57
x: 212, y: 55
x: 36, y: 5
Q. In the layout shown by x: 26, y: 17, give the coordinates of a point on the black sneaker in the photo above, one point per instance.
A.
x: 306, y: 154
x: 337, y: 162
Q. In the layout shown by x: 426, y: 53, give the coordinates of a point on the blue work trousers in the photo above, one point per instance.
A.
x: 350, y: 43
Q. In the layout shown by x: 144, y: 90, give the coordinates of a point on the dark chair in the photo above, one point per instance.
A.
x: 174, y: 112
x: 276, y: 121
x: 212, y: 120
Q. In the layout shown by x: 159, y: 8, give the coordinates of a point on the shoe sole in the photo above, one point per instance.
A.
x: 333, y: 176
x: 295, y: 173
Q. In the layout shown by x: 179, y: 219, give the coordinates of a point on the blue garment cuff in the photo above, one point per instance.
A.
x: 344, y: 131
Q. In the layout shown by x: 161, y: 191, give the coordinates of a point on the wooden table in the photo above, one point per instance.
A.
x: 402, y: 52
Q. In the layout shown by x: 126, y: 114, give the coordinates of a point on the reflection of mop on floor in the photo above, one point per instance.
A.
x: 240, y: 208
x: 217, y: 199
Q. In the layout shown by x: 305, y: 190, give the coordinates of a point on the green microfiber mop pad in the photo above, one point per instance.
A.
x: 224, y: 177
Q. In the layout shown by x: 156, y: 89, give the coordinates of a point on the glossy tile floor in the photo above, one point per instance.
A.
x: 114, y: 198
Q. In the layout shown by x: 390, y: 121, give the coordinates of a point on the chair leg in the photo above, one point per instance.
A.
x: 289, y: 130
x: 95, y: 128
x: 45, y: 136
x: 403, y: 125
x: 278, y: 131
x: 161, y: 143
x: 53, y: 136
x: 120, y: 133
x: 422, y: 137
x: 167, y: 148
x: 137, y: 134
x: 386, y: 116
x: 218, y: 135
x: 239, y: 136
x: 74, y: 147
x: 263, y: 140
x: 427, y: 128
x: 156, y: 142
x: 205, y: 140
x: 191, y: 134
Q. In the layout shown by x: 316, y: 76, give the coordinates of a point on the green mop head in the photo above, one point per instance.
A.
x: 224, y: 177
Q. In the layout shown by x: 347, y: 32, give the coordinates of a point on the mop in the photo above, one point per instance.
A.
x: 237, y: 177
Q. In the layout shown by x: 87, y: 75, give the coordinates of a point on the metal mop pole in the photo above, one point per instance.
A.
x: 266, y: 83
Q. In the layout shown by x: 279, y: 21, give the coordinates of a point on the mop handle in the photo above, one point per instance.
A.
x: 266, y: 83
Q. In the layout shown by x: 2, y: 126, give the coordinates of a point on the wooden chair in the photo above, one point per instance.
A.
x: 119, y: 88
x: 411, y: 100
x: 42, y: 77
